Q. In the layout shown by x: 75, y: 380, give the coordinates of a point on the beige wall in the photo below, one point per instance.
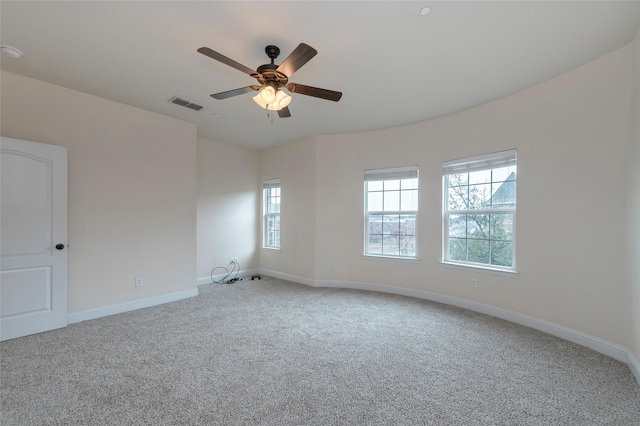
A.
x: 132, y: 190
x: 294, y: 164
x: 571, y: 134
x: 634, y: 200
x: 227, y: 199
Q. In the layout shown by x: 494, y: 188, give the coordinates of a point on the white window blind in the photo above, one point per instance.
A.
x: 273, y: 183
x: 483, y: 162
x: 410, y: 172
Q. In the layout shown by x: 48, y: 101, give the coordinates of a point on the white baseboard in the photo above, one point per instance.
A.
x: 613, y: 350
x: 207, y: 280
x: 634, y: 365
x: 289, y: 277
x: 89, y: 314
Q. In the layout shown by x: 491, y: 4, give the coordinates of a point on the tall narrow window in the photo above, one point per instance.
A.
x: 480, y: 211
x: 391, y: 212
x: 271, y: 213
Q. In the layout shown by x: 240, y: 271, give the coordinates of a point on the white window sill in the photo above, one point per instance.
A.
x: 277, y: 249
x: 482, y: 269
x: 395, y: 258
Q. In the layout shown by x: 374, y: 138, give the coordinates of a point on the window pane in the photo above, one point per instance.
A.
x: 478, y: 251
x: 390, y: 245
x: 482, y: 176
x: 375, y: 244
x: 409, y: 184
x: 391, y: 201
x: 408, y: 246
x: 504, y: 196
x: 391, y: 224
x: 460, y: 179
x: 457, y: 198
x: 478, y: 226
x: 458, y: 249
x: 374, y: 185
x: 272, y: 231
x: 409, y: 200
x: 458, y: 225
x: 479, y: 196
x: 392, y: 185
x: 502, y: 227
x: 408, y: 224
x: 374, y: 201
x: 504, y: 173
x: 502, y: 253
x: 375, y: 225
x: 272, y: 204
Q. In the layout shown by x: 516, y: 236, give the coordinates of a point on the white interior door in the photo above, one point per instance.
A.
x: 33, y: 238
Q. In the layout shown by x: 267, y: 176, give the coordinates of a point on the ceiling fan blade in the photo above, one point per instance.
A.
x: 284, y: 112
x: 329, y: 95
x: 300, y: 56
x: 219, y: 57
x: 234, y: 92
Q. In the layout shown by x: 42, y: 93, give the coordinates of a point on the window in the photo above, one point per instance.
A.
x: 391, y: 212
x: 480, y: 211
x: 271, y: 212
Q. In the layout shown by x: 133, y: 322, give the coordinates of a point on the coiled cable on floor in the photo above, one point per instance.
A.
x: 225, y: 280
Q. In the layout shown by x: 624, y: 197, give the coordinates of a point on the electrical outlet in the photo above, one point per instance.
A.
x: 474, y: 283
x: 334, y: 267
x: 139, y: 281
x: 233, y: 260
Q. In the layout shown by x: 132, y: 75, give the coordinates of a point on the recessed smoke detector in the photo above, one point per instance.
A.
x: 179, y: 101
x: 425, y: 11
x: 11, y: 52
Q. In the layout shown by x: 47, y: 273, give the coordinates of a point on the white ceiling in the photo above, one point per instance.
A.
x: 393, y: 65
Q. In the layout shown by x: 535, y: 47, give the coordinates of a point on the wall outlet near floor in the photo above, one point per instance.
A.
x: 139, y: 281
x: 233, y: 260
x: 474, y: 283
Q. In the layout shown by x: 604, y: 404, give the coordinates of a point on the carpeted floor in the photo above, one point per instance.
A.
x: 272, y: 352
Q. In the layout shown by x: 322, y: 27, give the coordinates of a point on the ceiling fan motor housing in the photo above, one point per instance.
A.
x: 272, y: 52
x: 268, y: 72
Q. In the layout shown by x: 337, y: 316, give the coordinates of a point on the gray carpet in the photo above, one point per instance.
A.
x: 272, y: 352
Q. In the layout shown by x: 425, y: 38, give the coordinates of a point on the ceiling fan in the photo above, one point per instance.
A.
x: 273, y: 78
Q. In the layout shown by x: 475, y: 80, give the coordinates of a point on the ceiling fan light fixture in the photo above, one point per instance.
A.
x: 281, y: 100
x: 257, y: 99
x: 268, y: 94
x: 11, y: 52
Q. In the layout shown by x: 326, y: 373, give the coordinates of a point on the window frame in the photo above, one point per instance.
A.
x: 271, y: 216
x: 391, y: 174
x: 487, y: 162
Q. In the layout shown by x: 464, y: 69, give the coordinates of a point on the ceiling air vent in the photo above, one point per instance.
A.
x: 179, y: 101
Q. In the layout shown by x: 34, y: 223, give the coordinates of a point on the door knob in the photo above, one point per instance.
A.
x: 60, y: 246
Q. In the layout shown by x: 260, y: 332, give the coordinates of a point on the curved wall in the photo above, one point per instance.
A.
x: 572, y: 137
